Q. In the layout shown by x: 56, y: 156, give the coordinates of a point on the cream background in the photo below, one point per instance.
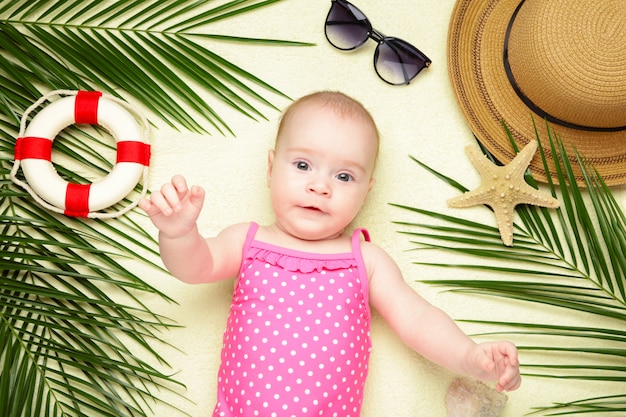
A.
x: 421, y: 120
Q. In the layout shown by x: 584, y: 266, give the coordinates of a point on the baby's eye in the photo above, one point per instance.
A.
x: 344, y: 176
x: 301, y: 165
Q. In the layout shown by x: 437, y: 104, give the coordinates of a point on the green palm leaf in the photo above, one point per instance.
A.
x: 63, y: 338
x: 76, y: 338
x: 148, y: 48
x: 571, y: 259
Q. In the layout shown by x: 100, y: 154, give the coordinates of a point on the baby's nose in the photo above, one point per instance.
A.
x: 319, y: 186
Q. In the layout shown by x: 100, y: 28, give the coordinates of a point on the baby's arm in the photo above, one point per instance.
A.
x: 431, y: 332
x: 174, y: 210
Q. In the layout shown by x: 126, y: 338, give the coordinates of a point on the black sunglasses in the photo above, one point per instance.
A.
x: 395, y: 61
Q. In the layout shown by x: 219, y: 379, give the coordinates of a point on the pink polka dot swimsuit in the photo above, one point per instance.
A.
x: 297, y: 341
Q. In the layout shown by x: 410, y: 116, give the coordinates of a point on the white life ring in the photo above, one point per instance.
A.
x: 33, y: 151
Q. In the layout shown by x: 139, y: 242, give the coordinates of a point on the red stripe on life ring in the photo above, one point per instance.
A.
x: 30, y: 147
x: 86, y: 107
x: 77, y: 200
x: 133, y: 151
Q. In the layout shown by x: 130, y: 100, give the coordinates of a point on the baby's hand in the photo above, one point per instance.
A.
x: 175, y: 208
x: 496, y: 361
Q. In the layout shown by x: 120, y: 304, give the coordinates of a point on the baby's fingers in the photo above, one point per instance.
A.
x: 196, y: 196
x: 510, y: 379
x: 508, y: 350
x: 170, y: 198
x: 157, y: 203
x: 172, y: 193
x: 507, y: 365
x: 146, y: 205
x: 180, y: 186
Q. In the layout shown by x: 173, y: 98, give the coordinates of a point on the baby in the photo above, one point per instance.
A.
x: 297, y: 340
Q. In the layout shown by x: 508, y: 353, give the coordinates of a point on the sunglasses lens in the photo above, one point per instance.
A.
x: 346, y: 26
x: 398, y: 62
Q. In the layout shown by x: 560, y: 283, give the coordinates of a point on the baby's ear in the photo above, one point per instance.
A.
x: 270, y: 165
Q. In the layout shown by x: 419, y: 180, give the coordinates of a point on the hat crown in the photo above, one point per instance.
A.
x: 568, y: 59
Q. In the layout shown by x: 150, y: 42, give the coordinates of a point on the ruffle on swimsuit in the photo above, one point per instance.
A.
x: 300, y: 261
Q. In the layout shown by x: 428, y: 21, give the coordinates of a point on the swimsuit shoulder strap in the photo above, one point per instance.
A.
x: 250, y: 235
x: 358, y: 256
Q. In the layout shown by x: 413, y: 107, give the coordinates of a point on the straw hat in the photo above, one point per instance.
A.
x: 513, y: 61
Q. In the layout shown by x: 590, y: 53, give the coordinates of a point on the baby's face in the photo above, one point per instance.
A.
x: 321, y: 171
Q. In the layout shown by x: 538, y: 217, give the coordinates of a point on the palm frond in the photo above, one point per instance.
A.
x: 569, y: 260
x: 65, y: 337
x: 147, y: 48
x: 613, y: 404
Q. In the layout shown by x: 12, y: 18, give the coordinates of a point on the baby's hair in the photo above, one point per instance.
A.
x: 340, y: 103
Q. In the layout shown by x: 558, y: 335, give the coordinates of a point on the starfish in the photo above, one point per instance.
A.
x: 503, y: 188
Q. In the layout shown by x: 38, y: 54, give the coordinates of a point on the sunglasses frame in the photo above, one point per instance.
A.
x: 378, y: 37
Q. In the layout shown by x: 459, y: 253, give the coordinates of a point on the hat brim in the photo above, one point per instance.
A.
x: 476, y: 38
